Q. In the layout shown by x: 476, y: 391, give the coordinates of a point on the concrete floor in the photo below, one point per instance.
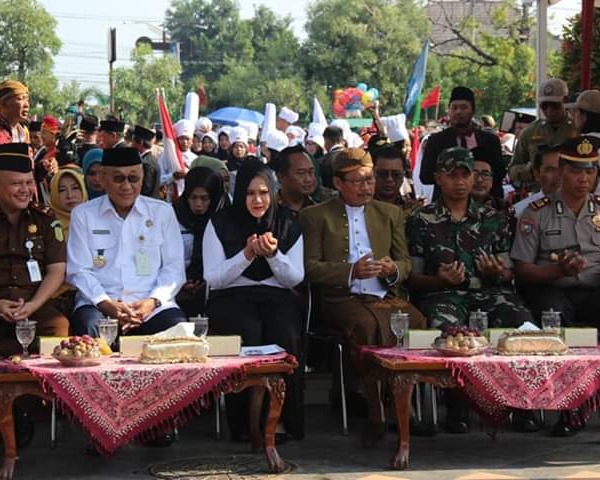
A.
x: 324, y: 454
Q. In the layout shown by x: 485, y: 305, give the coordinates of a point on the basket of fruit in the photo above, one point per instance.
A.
x: 83, y: 351
x: 460, y: 341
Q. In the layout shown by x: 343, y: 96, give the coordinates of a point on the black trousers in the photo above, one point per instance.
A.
x: 578, y: 305
x: 262, y: 315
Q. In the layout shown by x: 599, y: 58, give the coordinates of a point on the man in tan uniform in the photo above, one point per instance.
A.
x: 554, y: 128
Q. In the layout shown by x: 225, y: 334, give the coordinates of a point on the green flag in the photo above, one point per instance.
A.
x: 417, y: 115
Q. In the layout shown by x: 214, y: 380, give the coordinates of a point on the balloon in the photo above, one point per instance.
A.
x: 366, y: 98
x: 374, y: 93
x: 337, y: 93
x: 362, y: 86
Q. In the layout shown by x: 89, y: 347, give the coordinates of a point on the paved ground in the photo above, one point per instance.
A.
x: 324, y: 454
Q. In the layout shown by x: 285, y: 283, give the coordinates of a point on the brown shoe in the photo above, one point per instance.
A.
x: 372, y: 434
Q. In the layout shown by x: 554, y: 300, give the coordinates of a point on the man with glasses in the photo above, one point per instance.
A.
x: 125, y: 254
x: 555, y: 128
x: 483, y: 178
x: 355, y: 255
x: 459, y: 254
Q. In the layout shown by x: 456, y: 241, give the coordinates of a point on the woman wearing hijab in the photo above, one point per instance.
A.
x: 67, y: 190
x: 91, y: 164
x: 253, y: 257
x: 202, y: 196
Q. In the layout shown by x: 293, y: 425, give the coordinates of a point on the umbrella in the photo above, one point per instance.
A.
x: 233, y: 115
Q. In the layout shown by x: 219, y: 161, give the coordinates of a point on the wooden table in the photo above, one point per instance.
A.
x: 262, y: 378
x: 402, y: 378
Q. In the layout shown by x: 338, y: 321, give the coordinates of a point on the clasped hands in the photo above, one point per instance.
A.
x: 15, y: 310
x: 367, y: 267
x: 129, y: 315
x: 571, y: 262
x: 264, y: 245
x: 488, y: 264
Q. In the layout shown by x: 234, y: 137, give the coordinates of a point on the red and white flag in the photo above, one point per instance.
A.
x: 171, y: 151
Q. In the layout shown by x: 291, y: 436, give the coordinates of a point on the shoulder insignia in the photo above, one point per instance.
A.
x: 41, y: 209
x: 541, y: 203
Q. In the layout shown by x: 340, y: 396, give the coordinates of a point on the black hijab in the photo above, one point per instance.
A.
x: 233, y: 226
x: 213, y: 184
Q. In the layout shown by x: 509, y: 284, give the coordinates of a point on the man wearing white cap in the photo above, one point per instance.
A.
x: 169, y: 177
x: 275, y: 142
x: 555, y: 128
x: 286, y: 118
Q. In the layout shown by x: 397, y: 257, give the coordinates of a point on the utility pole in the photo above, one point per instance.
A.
x: 112, y: 56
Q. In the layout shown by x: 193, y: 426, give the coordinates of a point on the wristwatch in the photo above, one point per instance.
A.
x: 157, y: 303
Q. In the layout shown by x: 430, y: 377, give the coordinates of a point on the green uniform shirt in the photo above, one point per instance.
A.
x: 435, y: 238
x: 537, y: 133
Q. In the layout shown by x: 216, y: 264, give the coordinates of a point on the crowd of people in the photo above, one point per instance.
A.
x: 97, y: 223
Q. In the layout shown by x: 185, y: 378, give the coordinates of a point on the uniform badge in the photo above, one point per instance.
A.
x: 526, y: 226
x: 32, y: 229
x: 58, y: 231
x: 149, y: 223
x: 99, y: 261
x: 596, y: 221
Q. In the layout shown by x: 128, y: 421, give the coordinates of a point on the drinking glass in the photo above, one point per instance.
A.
x: 200, y: 326
x: 399, y: 325
x: 551, y: 321
x: 479, y: 321
x: 25, y: 331
x: 109, y: 329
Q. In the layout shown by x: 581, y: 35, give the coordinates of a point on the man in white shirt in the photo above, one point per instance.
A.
x: 125, y: 254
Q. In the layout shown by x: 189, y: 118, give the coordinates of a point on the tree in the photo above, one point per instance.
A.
x: 570, y: 70
x: 500, y: 68
x: 135, y: 86
x: 211, y: 35
x: 28, y: 43
x: 377, y: 42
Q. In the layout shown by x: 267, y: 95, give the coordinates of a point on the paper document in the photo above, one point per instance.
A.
x: 261, y: 350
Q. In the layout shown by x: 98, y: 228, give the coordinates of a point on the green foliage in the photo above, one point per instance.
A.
x: 135, y: 86
x: 377, y: 42
x: 500, y: 69
x: 28, y: 44
x: 570, y: 65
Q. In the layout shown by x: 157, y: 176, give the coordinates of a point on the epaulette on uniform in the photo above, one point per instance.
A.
x: 41, y: 209
x: 541, y: 203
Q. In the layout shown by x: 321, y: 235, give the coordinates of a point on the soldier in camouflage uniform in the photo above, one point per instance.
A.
x: 555, y: 128
x: 459, y: 252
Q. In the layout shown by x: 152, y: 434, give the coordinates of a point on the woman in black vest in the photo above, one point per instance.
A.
x: 253, y: 257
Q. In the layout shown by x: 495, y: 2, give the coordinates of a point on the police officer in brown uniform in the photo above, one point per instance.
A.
x: 32, y: 253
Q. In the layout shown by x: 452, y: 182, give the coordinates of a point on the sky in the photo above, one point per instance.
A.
x: 83, y: 30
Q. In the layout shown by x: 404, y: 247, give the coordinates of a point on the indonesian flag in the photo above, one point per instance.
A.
x: 433, y: 97
x: 171, y: 151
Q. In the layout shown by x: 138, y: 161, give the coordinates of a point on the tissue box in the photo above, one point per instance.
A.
x: 493, y: 334
x: 47, y: 344
x: 420, y: 338
x: 131, y: 346
x: 581, y: 337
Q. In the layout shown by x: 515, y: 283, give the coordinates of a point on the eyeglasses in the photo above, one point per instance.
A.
x: 553, y: 105
x: 360, y: 181
x: 130, y: 178
x: 384, y: 174
x: 482, y: 174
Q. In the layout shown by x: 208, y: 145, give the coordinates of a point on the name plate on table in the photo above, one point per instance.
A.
x: 418, y: 339
x: 220, y: 346
x: 580, y: 337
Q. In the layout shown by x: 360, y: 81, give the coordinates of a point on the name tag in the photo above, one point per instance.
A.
x: 550, y: 233
x: 100, y: 232
x: 142, y: 264
x: 33, y: 268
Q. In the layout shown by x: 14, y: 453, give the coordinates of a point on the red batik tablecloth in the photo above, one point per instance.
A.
x: 496, y: 383
x: 122, y: 399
